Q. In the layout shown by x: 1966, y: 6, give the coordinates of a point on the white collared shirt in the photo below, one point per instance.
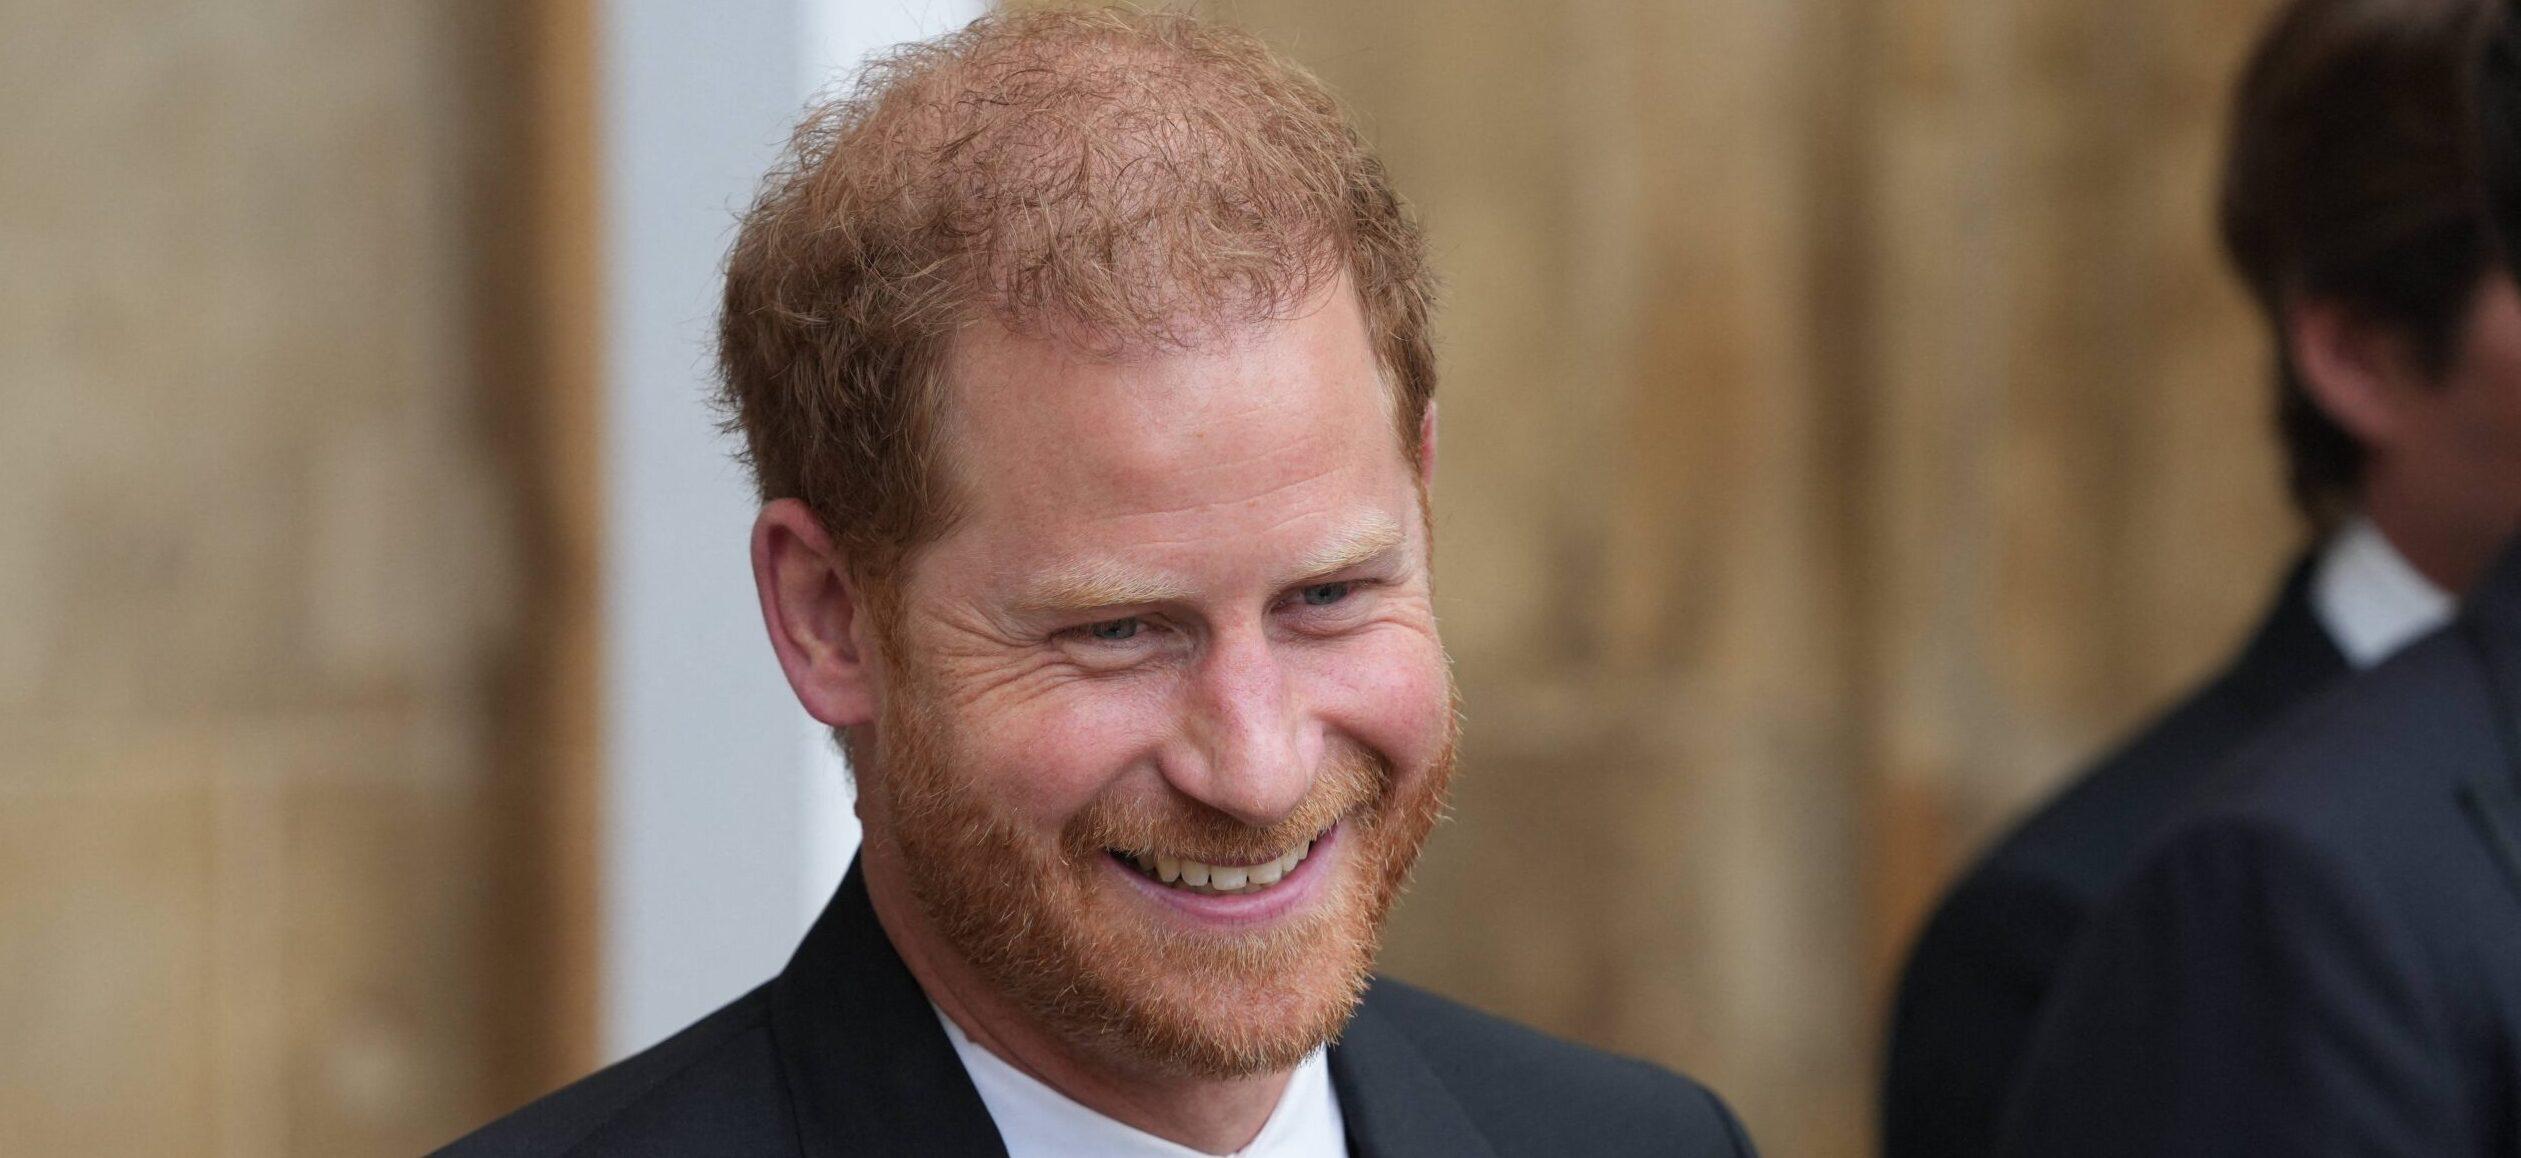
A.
x: 1037, y: 1121
x: 2370, y: 599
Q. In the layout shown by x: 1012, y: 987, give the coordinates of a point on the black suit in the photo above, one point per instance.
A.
x: 841, y: 1054
x: 1976, y: 979
x: 2324, y: 956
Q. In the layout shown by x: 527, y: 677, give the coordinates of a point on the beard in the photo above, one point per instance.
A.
x: 1047, y: 924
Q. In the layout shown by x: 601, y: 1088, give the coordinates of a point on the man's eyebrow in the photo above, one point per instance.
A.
x: 1084, y: 586
x: 1365, y: 541
x: 1095, y: 583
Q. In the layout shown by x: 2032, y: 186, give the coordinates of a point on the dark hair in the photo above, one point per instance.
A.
x: 2499, y: 127
x: 2352, y: 178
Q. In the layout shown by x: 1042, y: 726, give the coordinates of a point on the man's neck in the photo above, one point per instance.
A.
x: 1211, y: 1115
x: 2450, y: 555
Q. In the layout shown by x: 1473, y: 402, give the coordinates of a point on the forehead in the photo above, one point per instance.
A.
x: 1258, y: 439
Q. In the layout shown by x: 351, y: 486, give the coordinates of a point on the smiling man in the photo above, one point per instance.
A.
x: 1083, y: 362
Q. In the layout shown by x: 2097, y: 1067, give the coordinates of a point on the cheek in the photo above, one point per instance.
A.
x: 1050, y: 755
x: 1390, y: 692
x: 2504, y: 407
x: 2484, y: 424
x: 2486, y: 392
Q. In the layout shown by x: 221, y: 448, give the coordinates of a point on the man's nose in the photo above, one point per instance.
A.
x: 1246, y: 757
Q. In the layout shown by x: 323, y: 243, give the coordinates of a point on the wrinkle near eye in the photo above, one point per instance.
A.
x: 1012, y: 679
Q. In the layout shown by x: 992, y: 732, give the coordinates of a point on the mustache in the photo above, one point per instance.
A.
x: 1351, y: 783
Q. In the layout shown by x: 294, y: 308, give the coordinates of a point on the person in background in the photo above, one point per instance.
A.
x: 2323, y: 954
x: 2349, y: 206
x: 1082, y: 361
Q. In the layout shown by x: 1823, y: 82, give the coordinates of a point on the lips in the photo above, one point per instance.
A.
x: 1201, y: 877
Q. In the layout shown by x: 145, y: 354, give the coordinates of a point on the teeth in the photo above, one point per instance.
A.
x: 1221, y: 878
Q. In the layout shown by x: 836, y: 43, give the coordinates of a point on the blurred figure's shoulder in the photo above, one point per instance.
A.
x: 2396, y: 743
x: 2371, y: 815
x: 2078, y: 846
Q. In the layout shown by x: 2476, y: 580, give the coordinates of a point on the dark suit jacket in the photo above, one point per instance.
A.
x: 841, y: 1054
x: 2324, y: 957
x: 1979, y: 972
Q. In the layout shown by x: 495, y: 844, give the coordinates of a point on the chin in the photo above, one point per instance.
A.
x: 1231, y: 1002
x: 1185, y: 1027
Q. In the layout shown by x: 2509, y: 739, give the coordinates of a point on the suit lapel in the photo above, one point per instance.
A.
x: 870, y: 1072
x: 868, y: 1069
x: 2492, y: 624
x: 2495, y: 808
x: 2291, y: 655
x: 1394, y: 1105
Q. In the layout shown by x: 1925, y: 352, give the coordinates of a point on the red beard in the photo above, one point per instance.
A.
x: 1046, y: 927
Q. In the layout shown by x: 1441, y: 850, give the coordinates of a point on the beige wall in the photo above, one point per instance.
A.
x: 272, y: 638
x: 1847, y: 427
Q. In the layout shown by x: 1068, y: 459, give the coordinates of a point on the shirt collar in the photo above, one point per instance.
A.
x: 1036, y: 1121
x: 2370, y: 599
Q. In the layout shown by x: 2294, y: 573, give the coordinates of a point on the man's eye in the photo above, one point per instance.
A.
x: 1325, y: 594
x: 1114, y: 630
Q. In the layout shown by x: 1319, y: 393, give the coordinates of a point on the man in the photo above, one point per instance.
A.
x: 1083, y: 362
x: 2348, y: 207
x: 2324, y: 955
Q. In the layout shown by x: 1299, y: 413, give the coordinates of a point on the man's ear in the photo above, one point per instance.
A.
x: 817, y: 619
x: 1427, y: 447
x: 2360, y: 373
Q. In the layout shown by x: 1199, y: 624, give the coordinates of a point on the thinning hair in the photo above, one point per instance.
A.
x: 1118, y: 180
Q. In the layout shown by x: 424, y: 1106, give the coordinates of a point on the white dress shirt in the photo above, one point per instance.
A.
x: 1037, y: 1121
x: 2370, y: 599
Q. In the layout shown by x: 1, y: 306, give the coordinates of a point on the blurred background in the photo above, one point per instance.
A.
x: 1849, y: 425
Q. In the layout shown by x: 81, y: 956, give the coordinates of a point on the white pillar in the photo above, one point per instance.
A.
x: 837, y: 37
x: 726, y: 813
